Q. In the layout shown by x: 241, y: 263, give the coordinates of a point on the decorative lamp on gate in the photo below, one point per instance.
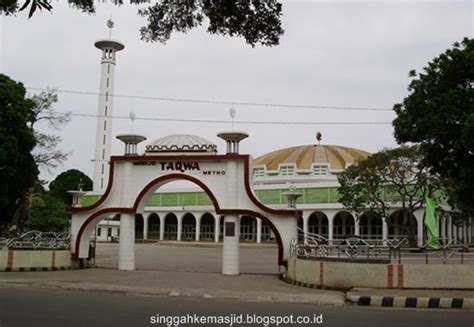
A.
x: 131, y: 142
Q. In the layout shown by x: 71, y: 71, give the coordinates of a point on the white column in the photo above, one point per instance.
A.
x: 198, y: 227
x: 230, y: 257
x: 356, y: 225
x: 384, y: 229
x: 259, y: 230
x: 217, y: 227
x: 455, y: 233
x: 450, y: 229
x: 419, y: 223
x: 443, y: 229
x: 145, y: 226
x: 180, y: 227
x: 127, y: 242
x: 330, y: 227
x: 162, y: 227
x: 305, y: 225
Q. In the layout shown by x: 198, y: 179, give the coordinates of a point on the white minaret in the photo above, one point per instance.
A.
x: 104, y: 123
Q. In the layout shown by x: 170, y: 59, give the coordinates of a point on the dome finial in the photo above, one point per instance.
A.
x: 319, y: 137
x: 232, y: 113
x: 110, y: 25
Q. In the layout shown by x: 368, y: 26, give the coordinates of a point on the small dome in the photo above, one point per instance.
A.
x: 181, y: 143
x: 338, y: 157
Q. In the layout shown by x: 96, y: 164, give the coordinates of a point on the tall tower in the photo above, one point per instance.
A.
x: 104, y: 121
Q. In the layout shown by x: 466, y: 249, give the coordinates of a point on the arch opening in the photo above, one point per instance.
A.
x: 344, y: 225
x: 154, y: 226
x: 318, y: 223
x: 171, y: 227
x: 207, y: 232
x: 371, y: 225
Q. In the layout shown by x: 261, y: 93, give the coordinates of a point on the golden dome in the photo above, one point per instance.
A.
x: 338, y: 157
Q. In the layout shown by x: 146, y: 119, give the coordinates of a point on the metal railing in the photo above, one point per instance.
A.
x: 36, y: 240
x: 396, y: 250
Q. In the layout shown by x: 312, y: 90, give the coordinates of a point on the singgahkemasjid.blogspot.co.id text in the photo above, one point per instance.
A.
x: 237, y: 320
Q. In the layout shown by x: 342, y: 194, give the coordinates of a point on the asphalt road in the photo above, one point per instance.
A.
x: 38, y: 307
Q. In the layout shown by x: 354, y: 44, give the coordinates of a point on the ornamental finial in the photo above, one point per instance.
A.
x: 110, y: 25
x: 319, y: 137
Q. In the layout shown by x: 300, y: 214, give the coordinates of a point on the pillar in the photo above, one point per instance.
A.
x: 330, y: 228
x: 384, y: 229
x: 180, y: 227
x: 305, y: 224
x: 230, y: 248
x: 145, y: 227
x: 127, y: 242
x: 162, y: 226
x: 443, y: 230
x: 356, y: 225
x: 419, y: 224
x: 230, y: 256
x: 259, y: 230
x: 217, y: 228
x: 450, y: 229
x: 198, y: 228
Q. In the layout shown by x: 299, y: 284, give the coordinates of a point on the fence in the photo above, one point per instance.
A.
x: 36, y: 240
x: 397, y: 250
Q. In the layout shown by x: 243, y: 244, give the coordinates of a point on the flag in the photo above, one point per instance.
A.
x: 431, y: 223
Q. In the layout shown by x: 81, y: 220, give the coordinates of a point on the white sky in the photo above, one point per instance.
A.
x: 333, y: 53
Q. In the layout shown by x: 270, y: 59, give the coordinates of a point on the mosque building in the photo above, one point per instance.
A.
x: 188, y: 214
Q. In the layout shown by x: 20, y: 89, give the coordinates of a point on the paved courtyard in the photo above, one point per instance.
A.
x: 191, y: 257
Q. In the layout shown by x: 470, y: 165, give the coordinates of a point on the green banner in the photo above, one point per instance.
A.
x: 431, y: 223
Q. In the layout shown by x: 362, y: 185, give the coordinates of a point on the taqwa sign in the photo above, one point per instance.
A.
x: 181, y: 166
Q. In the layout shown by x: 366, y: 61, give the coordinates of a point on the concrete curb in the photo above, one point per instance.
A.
x: 411, y: 302
x: 34, y: 269
x: 288, y: 280
x: 395, y: 301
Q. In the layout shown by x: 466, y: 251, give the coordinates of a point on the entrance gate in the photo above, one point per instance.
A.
x: 225, y: 178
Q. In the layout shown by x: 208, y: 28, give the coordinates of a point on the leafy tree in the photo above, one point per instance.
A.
x: 52, y: 216
x: 71, y: 179
x: 438, y: 114
x: 33, y: 199
x: 45, y: 152
x: 257, y: 21
x: 18, y: 170
x: 389, y: 178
